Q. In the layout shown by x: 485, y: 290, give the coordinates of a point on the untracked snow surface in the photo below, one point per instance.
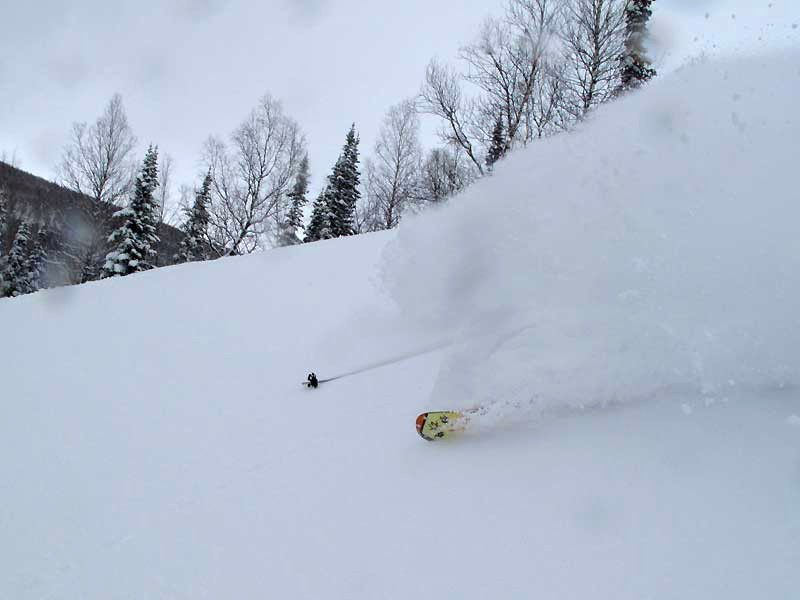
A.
x: 620, y: 301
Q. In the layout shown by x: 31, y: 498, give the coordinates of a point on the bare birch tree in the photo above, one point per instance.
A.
x: 392, y: 173
x: 445, y: 172
x: 98, y: 159
x: 594, y: 39
x: 166, y: 212
x: 538, y: 23
x: 548, y: 113
x: 251, y: 177
x: 443, y: 97
x: 367, y: 217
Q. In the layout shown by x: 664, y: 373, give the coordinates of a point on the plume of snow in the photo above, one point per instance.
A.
x: 654, y: 248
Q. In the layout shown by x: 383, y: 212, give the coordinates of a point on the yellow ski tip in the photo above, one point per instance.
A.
x: 438, y: 425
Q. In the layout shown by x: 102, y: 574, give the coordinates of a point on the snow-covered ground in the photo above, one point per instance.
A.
x: 622, y: 301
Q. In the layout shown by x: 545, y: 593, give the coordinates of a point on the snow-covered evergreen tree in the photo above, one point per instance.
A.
x: 3, y: 217
x: 634, y: 64
x: 3, y: 227
x: 298, y: 198
x: 36, y: 262
x: 16, y: 276
x: 136, y: 238
x: 194, y: 246
x: 498, y: 146
x: 343, y: 188
x: 321, y: 218
x: 334, y: 210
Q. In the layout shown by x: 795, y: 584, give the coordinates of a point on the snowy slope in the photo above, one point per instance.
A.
x: 622, y: 300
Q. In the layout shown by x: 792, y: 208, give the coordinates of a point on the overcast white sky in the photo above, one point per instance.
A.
x: 190, y: 68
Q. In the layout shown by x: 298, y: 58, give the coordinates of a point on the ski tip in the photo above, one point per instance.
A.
x: 421, y: 424
x: 423, y: 428
x: 438, y: 425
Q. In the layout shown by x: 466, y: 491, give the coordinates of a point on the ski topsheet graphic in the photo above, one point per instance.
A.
x: 437, y: 425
